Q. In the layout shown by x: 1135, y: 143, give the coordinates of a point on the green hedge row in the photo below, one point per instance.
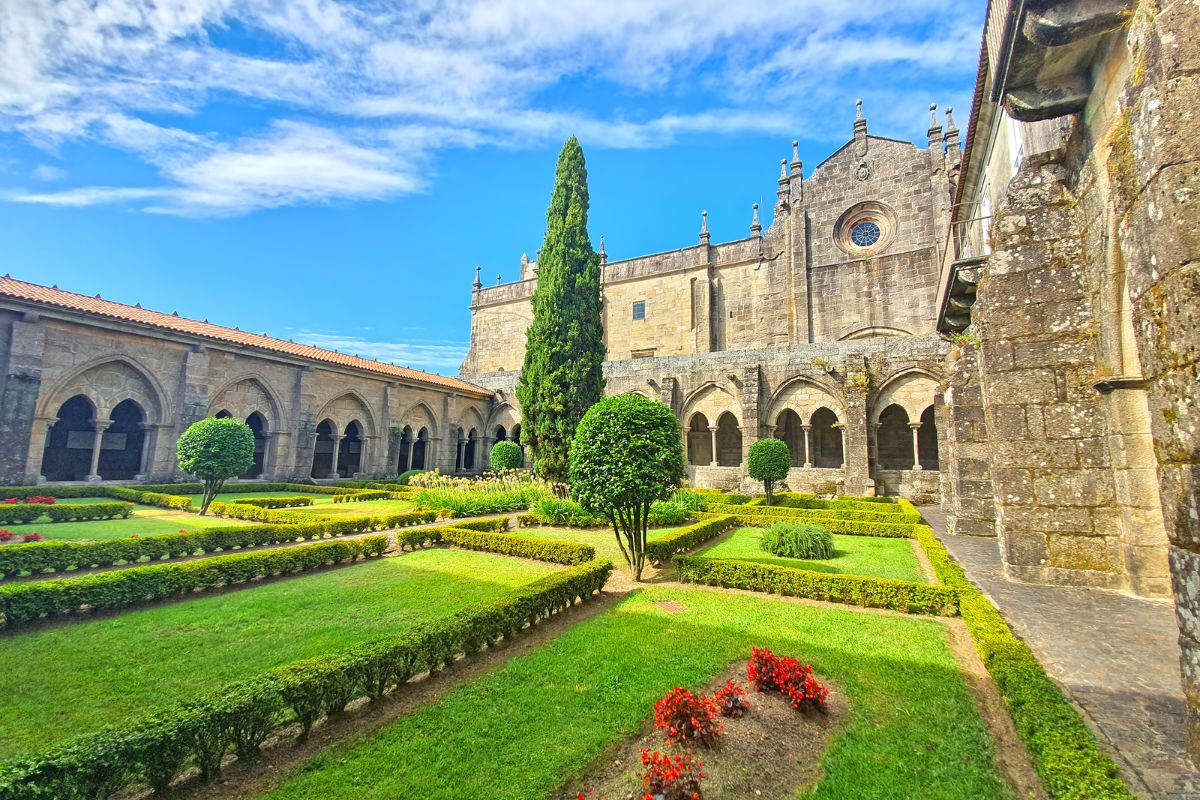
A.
x: 361, y: 496
x: 25, y: 603
x: 756, y: 517
x: 802, y: 500
x: 394, y: 488
x: 1064, y: 750
x: 659, y: 551
x: 336, y: 525
x: 240, y: 717
x: 56, y: 491
x: 150, y: 498
x: 17, y: 515
x: 276, y: 502
x: 907, y: 596
x: 815, y: 514
x: 503, y: 543
x: 65, y: 512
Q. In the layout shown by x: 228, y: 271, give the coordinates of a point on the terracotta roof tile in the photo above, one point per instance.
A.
x: 36, y: 293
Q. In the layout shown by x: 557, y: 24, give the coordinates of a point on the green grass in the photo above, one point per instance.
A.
x: 72, y: 678
x: 145, y: 521
x: 524, y: 731
x: 600, y: 538
x: 873, y: 556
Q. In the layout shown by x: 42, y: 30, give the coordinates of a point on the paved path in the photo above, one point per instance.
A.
x: 1117, y: 657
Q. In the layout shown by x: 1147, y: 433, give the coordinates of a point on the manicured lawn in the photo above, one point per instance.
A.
x: 855, y: 555
x: 600, y: 538
x: 523, y: 732
x: 145, y: 521
x: 78, y: 676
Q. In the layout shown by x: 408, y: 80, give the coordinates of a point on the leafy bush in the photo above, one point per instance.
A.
x: 37, y: 500
x: 6, y: 536
x: 798, y: 540
x: 667, y: 512
x: 276, y: 502
x: 688, y: 719
x: 731, y: 700
x: 663, y: 548
x: 33, y: 536
x: 25, y: 603
x: 361, y: 496
x: 471, y: 497
x: 671, y: 777
x: 18, y: 514
x: 86, y: 511
x: 507, y: 455
x: 626, y: 454
x: 563, y: 511
x: 406, y: 477
x: 768, y: 461
x: 145, y: 497
x: 689, y: 499
x: 784, y: 674
x: 907, y: 596
x: 215, y: 450
x: 196, y: 734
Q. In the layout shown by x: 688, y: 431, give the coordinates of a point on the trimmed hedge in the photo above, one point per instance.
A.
x: 25, y: 603
x: 661, y: 550
x: 907, y: 596
x: 276, y: 502
x: 61, y: 492
x: 72, y: 512
x: 19, y: 514
x: 760, y: 517
x: 1063, y: 748
x: 239, y: 717
x: 150, y: 498
x: 794, y: 512
x: 507, y: 544
x: 361, y: 496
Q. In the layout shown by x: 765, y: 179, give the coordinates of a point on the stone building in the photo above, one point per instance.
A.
x: 819, y: 329
x: 97, y: 390
x: 1070, y: 407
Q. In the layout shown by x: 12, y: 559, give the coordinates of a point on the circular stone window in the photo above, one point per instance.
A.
x: 865, y: 228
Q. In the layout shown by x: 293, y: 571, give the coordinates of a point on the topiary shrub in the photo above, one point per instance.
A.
x: 507, y: 455
x: 627, y: 453
x: 798, y: 540
x: 768, y: 461
x: 215, y: 450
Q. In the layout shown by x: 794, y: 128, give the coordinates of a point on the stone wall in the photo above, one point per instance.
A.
x: 966, y: 475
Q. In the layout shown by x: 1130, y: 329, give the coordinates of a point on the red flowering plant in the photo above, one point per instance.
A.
x: 671, y: 777
x: 731, y: 700
x: 42, y: 500
x: 769, y: 672
x: 688, y: 718
x: 32, y: 537
x: 6, y: 536
x: 12, y: 501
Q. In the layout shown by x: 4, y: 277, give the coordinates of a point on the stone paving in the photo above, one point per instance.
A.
x: 1117, y: 656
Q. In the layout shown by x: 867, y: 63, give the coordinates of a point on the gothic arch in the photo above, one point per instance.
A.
x: 712, y: 400
x: 471, y: 418
x: 873, y: 332
x: 346, y: 408
x: 240, y: 401
x: 503, y: 414
x: 107, y: 381
x: 804, y: 395
x: 419, y: 415
x: 912, y: 389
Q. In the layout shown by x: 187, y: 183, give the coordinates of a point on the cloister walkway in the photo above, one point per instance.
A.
x: 1115, y: 655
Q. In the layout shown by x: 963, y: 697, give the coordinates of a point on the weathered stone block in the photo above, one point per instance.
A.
x: 1077, y: 487
x: 1022, y: 548
x: 1099, y: 553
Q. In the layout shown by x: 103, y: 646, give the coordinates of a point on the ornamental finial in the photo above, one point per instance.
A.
x: 950, y: 119
x: 603, y: 254
x: 755, y: 228
x: 704, y: 235
x: 858, y: 113
x: 933, y: 122
x: 478, y: 283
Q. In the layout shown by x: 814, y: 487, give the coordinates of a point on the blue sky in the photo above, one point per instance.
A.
x: 333, y: 171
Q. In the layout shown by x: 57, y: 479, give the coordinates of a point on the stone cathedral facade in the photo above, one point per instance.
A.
x: 819, y: 329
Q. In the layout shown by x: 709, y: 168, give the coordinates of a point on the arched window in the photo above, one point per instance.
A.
x: 121, y: 447
x: 469, y: 450
x: 729, y: 441
x: 501, y: 434
x: 404, y: 450
x: 350, y: 451
x: 927, y: 440
x: 223, y: 414
x: 826, y: 440
x: 322, y: 466
x: 699, y: 441
x: 258, y: 426
x: 68, y: 453
x: 420, y: 449
x: 790, y: 430
x: 893, y: 439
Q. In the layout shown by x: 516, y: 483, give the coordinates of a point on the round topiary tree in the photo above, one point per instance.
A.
x: 627, y: 453
x: 507, y: 455
x: 769, y: 461
x: 215, y: 450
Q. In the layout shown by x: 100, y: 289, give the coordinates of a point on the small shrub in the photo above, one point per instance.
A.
x: 798, y: 540
x: 769, y: 672
x: 407, y: 476
x: 507, y: 455
x: 731, y: 700
x: 32, y: 537
x: 6, y: 536
x: 671, y: 778
x: 667, y: 512
x: 688, y: 718
x: 563, y: 511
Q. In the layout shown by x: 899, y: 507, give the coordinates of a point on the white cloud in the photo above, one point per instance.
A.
x: 48, y: 173
x: 352, y: 100
x: 433, y: 355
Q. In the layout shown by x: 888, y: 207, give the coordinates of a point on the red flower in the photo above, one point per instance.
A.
x: 688, y: 718
x: 769, y: 672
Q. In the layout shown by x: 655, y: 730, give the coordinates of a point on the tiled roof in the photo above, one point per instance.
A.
x: 44, y: 295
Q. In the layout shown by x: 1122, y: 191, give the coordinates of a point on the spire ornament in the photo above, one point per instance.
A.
x: 478, y: 283
x: 704, y: 235
x: 603, y: 254
x: 755, y: 227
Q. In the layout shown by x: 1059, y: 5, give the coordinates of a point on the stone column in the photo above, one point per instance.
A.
x: 855, y: 446
x: 149, y: 442
x: 460, y: 464
x: 37, y: 446
x: 412, y: 443
x: 101, y: 426
x: 916, y: 428
x: 271, y: 440
x: 712, y: 431
x: 337, y: 449
x: 485, y: 458
x: 366, y: 451
x: 808, y: 462
x: 966, y: 475
x: 20, y: 446
x: 687, y: 448
x: 432, y: 451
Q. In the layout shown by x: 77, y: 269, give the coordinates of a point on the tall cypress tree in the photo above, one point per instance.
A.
x: 564, y: 347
